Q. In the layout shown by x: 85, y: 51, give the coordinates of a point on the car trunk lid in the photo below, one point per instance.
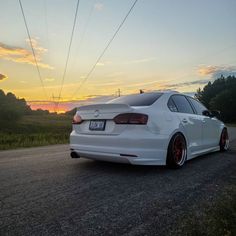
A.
x: 103, y: 114
x: 102, y: 111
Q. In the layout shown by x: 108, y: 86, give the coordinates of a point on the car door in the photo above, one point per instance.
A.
x: 190, y: 121
x: 210, y: 136
x: 210, y: 126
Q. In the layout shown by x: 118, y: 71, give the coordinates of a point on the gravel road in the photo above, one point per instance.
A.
x: 45, y: 192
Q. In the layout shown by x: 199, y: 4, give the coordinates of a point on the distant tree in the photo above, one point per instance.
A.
x: 40, y: 112
x: 226, y: 103
x: 12, y: 108
x: 71, y: 112
x: 220, y: 95
x: 2, y: 95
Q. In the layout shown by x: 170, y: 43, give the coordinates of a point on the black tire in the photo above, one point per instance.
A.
x: 177, y: 151
x: 224, y: 140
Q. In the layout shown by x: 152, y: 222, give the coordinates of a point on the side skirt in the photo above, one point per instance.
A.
x: 202, y: 152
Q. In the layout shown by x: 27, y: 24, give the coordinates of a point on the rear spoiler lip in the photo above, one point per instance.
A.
x: 104, y: 106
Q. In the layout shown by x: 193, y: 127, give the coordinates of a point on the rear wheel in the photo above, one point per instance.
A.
x: 177, y: 151
x: 224, y: 140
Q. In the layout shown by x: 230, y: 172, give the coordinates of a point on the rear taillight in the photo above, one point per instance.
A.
x: 77, y: 119
x: 131, y: 118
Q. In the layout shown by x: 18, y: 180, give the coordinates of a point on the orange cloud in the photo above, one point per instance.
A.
x: 49, y: 79
x: 143, y: 60
x: 100, y: 64
x: 98, y: 6
x: 22, y: 55
x: 207, y: 70
x: 217, y: 71
x: 2, y: 77
x: 103, y: 63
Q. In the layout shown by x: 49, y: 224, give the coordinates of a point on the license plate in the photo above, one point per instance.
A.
x: 98, y: 125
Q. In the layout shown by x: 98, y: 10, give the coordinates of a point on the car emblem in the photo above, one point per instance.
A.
x: 96, y: 113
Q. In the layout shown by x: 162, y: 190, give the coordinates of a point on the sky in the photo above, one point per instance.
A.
x: 163, y: 44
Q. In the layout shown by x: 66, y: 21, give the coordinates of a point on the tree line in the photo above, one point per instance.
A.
x: 12, y: 108
x: 220, y: 95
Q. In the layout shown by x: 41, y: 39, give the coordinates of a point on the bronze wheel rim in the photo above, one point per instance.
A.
x: 179, y: 150
x: 225, y: 139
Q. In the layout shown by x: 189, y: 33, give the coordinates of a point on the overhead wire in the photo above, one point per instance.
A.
x: 32, y: 48
x: 46, y: 19
x: 45, y: 7
x: 105, y: 49
x: 87, y: 23
x: 68, y: 53
x: 84, y: 31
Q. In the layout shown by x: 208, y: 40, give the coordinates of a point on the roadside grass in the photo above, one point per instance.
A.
x: 215, y: 219
x: 35, y: 130
x: 231, y: 124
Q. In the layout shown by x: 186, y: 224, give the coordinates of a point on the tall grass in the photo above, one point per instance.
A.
x: 35, y: 130
x: 11, y: 141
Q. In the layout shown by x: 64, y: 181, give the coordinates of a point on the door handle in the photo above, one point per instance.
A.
x: 184, y: 120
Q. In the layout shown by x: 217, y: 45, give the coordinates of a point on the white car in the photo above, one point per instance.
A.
x: 157, y: 128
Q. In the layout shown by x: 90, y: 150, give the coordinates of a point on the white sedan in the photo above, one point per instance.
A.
x: 158, y: 128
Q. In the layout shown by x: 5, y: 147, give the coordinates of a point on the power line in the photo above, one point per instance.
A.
x: 32, y: 48
x: 68, y: 53
x: 46, y: 20
x: 87, y: 23
x: 84, y: 31
x: 105, y: 49
x: 47, y: 29
x: 54, y: 99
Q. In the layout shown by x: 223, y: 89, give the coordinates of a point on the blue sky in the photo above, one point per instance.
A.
x: 163, y: 45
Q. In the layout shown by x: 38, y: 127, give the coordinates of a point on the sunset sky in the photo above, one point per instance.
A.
x: 164, y: 44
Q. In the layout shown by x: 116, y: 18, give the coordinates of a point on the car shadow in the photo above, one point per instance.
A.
x: 101, y: 168
x: 111, y: 167
x: 120, y: 168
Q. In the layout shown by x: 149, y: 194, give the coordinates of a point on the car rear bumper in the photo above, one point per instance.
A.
x: 147, y: 150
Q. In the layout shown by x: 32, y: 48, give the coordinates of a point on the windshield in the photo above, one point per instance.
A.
x: 144, y: 99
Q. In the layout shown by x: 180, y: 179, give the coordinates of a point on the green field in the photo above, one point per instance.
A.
x: 35, y: 130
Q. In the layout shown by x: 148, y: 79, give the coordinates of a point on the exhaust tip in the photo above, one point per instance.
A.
x: 74, y: 155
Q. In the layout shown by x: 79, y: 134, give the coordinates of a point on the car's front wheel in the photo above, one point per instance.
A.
x: 177, y: 151
x: 224, y: 140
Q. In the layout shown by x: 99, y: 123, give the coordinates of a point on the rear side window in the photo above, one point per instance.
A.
x: 182, y: 104
x: 143, y: 99
x: 172, y: 106
x: 197, y: 105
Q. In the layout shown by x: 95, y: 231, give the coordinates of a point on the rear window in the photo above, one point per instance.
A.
x: 143, y: 99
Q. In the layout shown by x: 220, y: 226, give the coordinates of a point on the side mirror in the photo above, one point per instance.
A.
x: 206, y: 113
x: 211, y: 113
x: 215, y: 113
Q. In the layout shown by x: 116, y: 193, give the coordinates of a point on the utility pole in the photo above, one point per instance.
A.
x: 55, y: 101
x: 118, y: 93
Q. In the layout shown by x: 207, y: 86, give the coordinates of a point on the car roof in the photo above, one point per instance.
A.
x: 163, y: 91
